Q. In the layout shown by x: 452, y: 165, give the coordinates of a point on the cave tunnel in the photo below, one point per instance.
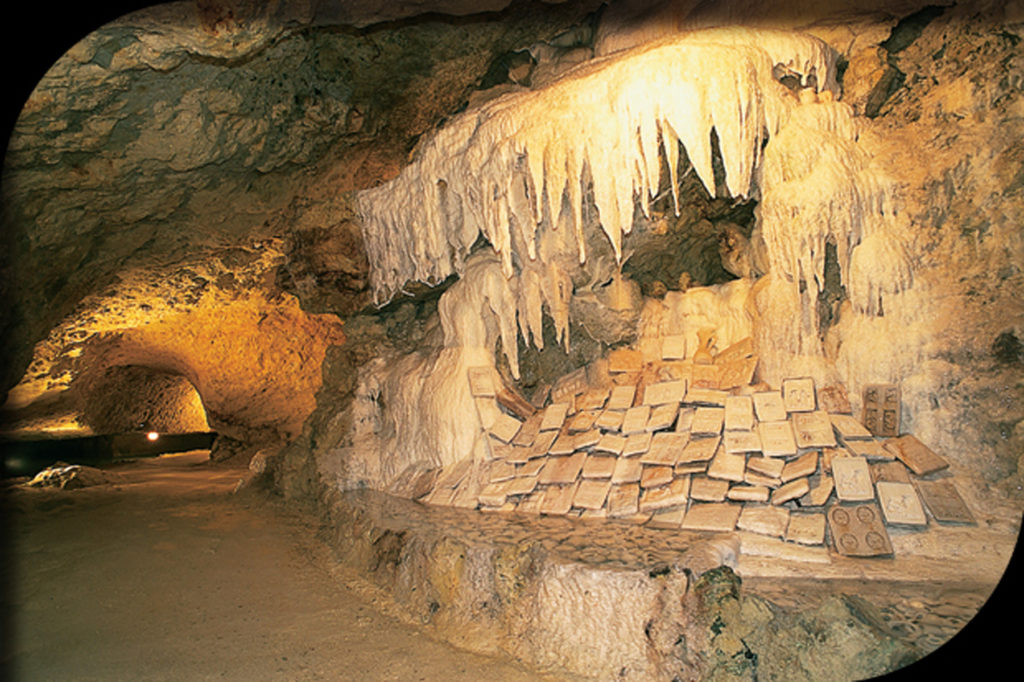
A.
x: 632, y: 339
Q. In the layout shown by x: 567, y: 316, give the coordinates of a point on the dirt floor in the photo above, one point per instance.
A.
x: 168, y: 576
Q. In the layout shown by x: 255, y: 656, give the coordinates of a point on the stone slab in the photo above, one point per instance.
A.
x: 820, y: 492
x: 528, y: 431
x: 673, y: 347
x: 707, y: 421
x: 505, y: 427
x: 791, y: 491
x: 944, y: 502
x: 502, y: 470
x: 880, y: 411
x: 852, y: 479
x: 720, y: 517
x: 900, y: 504
x: 493, y: 494
x: 592, y: 493
x: 889, y: 471
x: 452, y: 475
x: 857, y: 530
x: 621, y: 398
x: 684, y: 420
x: 513, y: 401
x: 627, y: 470
x: 777, y: 439
x: 488, y: 411
x: 598, y: 466
x: 663, y: 417
x: 813, y: 430
x: 635, y: 420
x: 741, y: 441
x: 705, y: 376
x: 542, y: 443
x: 666, y: 448
x: 834, y: 400
x: 748, y: 493
x: 481, y: 381
x: 699, y: 450
x: 739, y: 372
x: 769, y: 406
x: 593, y: 398
x: 764, y: 520
x: 665, y: 392
x: 708, y: 489
x: 739, y: 413
x: 766, y: 466
x: 565, y: 444
x: 532, y: 467
x: 752, y: 544
x: 562, y: 470
x: 918, y: 457
x: 806, y: 529
x: 583, y: 420
x: 558, y: 499
x: 625, y: 360
x: 440, y: 496
x: 522, y: 485
x: 654, y: 476
x: 798, y: 394
x: 849, y: 428
x: 623, y: 500
x: 554, y: 416
x: 705, y: 396
x: 670, y: 519
x: 727, y: 466
x: 872, y: 449
x: 685, y: 468
x: 743, y: 348
x: 531, y: 503
x: 611, y: 443
x: 754, y: 478
x: 675, y: 494
x: 569, y: 386
x: 802, y: 466
x: 637, y: 444
x: 610, y: 420
x: 587, y: 439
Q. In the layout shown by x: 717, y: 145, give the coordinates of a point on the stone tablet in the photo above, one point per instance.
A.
x: 621, y: 398
x: 587, y: 439
x: 655, y: 476
x: 505, y: 427
x: 705, y: 376
x: 488, y: 411
x: 598, y: 466
x: 684, y: 420
x: 737, y: 373
x: 918, y: 457
x: 769, y: 406
x: 777, y: 438
x: 691, y: 468
x: 625, y: 360
x: 565, y: 444
x: 562, y: 469
x: 944, y: 502
x: 623, y: 500
x: 708, y: 489
x: 743, y: 348
x: 540, y: 396
x: 872, y: 449
x: 766, y: 466
x: 881, y: 409
x: 542, y: 443
x: 900, y: 504
x: 635, y: 419
x: 558, y: 499
x: 481, y: 382
x: 739, y: 413
x: 664, y: 392
x: 754, y: 478
x: 662, y: 417
x: 791, y: 491
x: 699, y: 450
x: 813, y: 430
x: 531, y: 503
x: 764, y: 520
x: 849, y: 428
x: 672, y: 495
x: 666, y: 448
x: 528, y: 431
x: 513, y: 401
x: 610, y: 420
x: 853, y: 479
x: 858, y: 530
x: 569, y: 385
x: 670, y: 519
x: 627, y: 471
x: 889, y: 471
x: 452, y: 475
x: 705, y: 396
x: 762, y: 545
x: 583, y: 421
x: 532, y: 467
x: 522, y: 485
x: 819, y: 493
x: 727, y: 466
x: 807, y: 529
x: 802, y: 466
x: 673, y: 347
x: 833, y: 399
x: 707, y: 421
x: 501, y: 470
x: 493, y: 494
x: 441, y: 496
x: 592, y: 494
x: 748, y: 493
x: 611, y: 443
x: 593, y: 398
x: 637, y: 444
x: 720, y: 517
x: 798, y: 394
x: 554, y: 417
x: 741, y: 441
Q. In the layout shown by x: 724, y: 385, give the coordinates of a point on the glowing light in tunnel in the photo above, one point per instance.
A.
x: 152, y: 435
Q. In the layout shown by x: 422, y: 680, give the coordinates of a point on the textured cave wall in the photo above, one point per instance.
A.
x: 133, y: 398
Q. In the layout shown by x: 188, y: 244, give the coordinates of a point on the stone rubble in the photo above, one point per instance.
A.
x: 690, y: 454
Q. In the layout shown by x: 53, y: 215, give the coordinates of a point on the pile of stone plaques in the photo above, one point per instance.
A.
x: 679, y: 445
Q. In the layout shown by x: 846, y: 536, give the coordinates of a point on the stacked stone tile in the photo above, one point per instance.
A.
x: 688, y: 446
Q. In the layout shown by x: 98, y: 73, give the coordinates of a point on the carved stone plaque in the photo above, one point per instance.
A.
x: 900, y: 504
x: 807, y: 529
x: 918, y: 457
x: 737, y: 373
x: 705, y: 396
x: 858, y: 530
x: 481, y: 382
x: 739, y: 413
x: 769, y: 406
x: 743, y: 348
x: 569, y: 385
x: 889, y: 471
x: 944, y: 502
x: 833, y: 399
x: 813, y: 430
x: 881, y: 409
x: 798, y: 394
x: 705, y: 376
x: 777, y: 438
x: 853, y: 479
x: 720, y: 517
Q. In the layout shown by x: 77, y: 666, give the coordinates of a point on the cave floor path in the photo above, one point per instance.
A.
x: 169, y: 576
